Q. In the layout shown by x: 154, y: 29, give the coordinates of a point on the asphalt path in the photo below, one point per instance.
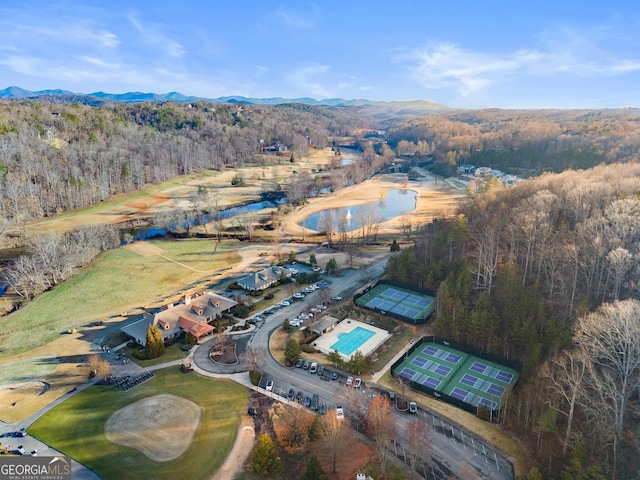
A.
x: 448, y: 449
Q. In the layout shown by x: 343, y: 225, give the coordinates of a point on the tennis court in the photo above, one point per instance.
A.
x: 457, y: 374
x: 399, y: 301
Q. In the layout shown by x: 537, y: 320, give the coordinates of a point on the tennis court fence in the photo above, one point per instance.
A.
x: 424, y: 388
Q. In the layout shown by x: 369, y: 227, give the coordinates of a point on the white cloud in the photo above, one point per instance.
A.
x: 306, y: 79
x: 294, y: 20
x: 152, y: 35
x: 448, y: 66
x: 261, y: 70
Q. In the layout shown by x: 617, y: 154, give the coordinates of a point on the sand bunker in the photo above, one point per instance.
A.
x: 161, y: 427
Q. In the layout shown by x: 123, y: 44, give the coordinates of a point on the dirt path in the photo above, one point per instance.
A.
x: 240, y: 451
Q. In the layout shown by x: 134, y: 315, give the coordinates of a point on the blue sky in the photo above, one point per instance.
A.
x: 468, y: 54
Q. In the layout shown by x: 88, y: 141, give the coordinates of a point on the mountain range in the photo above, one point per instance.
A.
x: 133, y: 97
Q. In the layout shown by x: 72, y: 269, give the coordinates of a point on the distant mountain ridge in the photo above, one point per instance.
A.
x: 134, y: 97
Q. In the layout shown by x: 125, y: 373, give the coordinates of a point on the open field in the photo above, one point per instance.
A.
x: 119, y: 280
x: 77, y: 427
x: 141, y: 204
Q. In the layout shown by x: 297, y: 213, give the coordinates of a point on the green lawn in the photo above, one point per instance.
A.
x: 76, y: 427
x: 118, y: 280
x: 174, y: 352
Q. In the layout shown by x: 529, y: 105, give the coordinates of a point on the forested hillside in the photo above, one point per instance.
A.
x: 59, y: 157
x: 520, y: 141
x: 546, y: 273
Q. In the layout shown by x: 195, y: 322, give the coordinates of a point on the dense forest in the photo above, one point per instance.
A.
x: 546, y: 274
x: 521, y: 142
x: 59, y: 157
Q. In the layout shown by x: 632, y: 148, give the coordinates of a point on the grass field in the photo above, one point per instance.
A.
x: 76, y: 427
x: 119, y: 280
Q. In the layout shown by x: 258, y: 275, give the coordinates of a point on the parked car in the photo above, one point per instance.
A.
x: 251, y: 411
x: 349, y: 381
x: 291, y: 395
x: 285, y: 303
x: 323, y: 408
x: 313, y: 368
x: 307, y: 401
x: 299, y: 363
x: 21, y: 450
x: 320, y: 370
x: 413, y: 407
x: 357, y: 382
x: 306, y: 365
x: 299, y: 396
x: 269, y: 387
x: 314, y: 402
x: 22, y: 432
x: 334, y: 375
x: 339, y: 413
x: 336, y: 298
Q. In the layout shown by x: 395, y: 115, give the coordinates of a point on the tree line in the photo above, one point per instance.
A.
x: 545, y: 273
x: 59, y: 157
x: 519, y: 141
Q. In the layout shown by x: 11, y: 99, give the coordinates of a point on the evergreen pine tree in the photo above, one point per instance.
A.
x: 314, y: 470
x: 265, y: 458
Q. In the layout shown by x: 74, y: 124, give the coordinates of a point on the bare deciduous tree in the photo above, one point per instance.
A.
x: 565, y: 374
x: 416, y: 436
x: 381, y: 429
x: 333, y: 434
x: 609, y: 339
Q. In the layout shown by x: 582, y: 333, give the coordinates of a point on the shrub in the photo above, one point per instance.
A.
x: 483, y: 413
x: 308, y: 348
x: 241, y: 311
x: 255, y: 376
x: 138, y: 354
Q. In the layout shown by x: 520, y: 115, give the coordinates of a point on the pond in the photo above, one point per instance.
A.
x: 394, y: 204
x: 147, y: 233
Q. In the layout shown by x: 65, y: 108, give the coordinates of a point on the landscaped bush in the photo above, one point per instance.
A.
x: 268, y: 296
x: 138, y: 354
x: 241, y: 311
x: 255, y: 376
x: 308, y: 348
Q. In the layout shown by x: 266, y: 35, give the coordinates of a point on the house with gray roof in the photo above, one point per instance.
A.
x: 193, y: 314
x: 264, y: 278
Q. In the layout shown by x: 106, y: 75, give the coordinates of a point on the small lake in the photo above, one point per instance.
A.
x: 147, y: 233
x: 394, y: 204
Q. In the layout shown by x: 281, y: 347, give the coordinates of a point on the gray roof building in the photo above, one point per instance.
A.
x: 264, y: 278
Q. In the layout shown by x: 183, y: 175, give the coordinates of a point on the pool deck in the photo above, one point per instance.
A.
x: 324, y: 342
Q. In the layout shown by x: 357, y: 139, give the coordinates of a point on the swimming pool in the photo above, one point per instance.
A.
x: 351, y: 341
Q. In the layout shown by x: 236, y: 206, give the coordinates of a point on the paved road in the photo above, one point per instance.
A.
x: 451, y: 450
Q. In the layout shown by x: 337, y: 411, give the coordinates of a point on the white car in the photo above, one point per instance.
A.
x: 285, y: 303
x: 349, y: 381
x: 339, y: 413
x: 269, y: 387
x: 357, y: 382
x: 336, y: 298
